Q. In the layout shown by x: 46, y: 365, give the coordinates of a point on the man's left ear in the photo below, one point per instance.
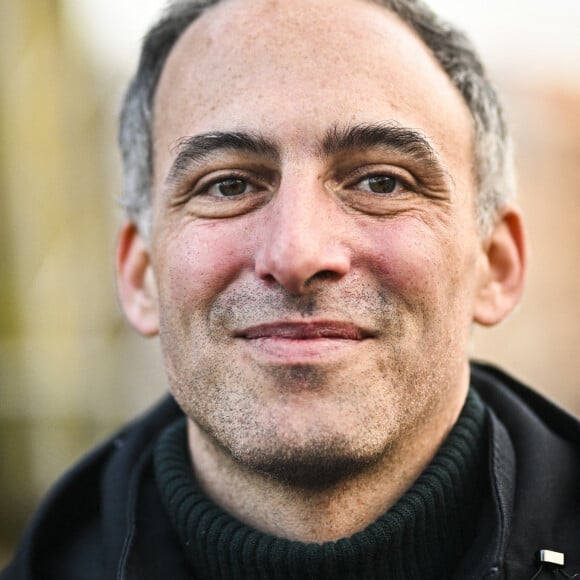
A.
x: 136, y: 282
x: 503, y: 275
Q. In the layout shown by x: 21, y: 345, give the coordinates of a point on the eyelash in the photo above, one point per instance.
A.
x: 351, y: 182
x: 200, y: 189
x: 398, y: 181
x: 230, y: 176
x: 366, y: 174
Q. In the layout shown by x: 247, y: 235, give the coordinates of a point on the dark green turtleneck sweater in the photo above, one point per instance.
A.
x: 422, y: 537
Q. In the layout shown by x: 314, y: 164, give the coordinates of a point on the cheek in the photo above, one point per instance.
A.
x: 405, y: 256
x: 432, y: 273
x: 198, y: 261
x: 431, y: 268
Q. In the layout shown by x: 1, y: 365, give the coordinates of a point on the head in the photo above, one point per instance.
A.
x: 319, y: 217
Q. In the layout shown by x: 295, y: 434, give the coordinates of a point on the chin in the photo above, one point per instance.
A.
x: 317, y: 465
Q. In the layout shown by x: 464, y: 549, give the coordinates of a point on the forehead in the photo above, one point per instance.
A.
x: 293, y: 69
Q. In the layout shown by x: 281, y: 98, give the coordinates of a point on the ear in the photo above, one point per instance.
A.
x: 135, y: 281
x: 503, y: 276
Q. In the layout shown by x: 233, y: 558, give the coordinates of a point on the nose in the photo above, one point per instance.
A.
x: 301, y: 243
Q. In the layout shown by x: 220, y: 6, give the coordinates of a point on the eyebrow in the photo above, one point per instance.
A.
x: 338, y: 140
x: 195, y: 149
x: 390, y: 136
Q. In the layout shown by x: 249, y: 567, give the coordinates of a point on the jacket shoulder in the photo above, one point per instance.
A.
x: 507, y: 395
x: 545, y: 490
x: 81, y: 525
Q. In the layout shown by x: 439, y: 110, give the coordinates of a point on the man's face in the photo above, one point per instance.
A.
x: 314, y: 243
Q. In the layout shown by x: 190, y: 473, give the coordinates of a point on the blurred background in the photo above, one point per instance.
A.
x: 70, y: 368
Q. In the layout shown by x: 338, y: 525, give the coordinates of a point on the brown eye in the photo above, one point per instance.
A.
x: 382, y: 184
x: 232, y: 187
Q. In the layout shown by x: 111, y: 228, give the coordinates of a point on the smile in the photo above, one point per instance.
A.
x: 302, y: 342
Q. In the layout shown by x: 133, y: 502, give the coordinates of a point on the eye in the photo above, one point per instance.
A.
x: 380, y: 184
x: 230, y: 187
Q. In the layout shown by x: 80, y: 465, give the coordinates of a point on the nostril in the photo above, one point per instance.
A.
x: 269, y: 279
x: 322, y: 276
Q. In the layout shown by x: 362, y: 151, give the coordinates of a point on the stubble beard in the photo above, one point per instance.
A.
x: 227, y: 406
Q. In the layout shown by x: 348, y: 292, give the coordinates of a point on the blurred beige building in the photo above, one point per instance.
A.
x: 70, y: 369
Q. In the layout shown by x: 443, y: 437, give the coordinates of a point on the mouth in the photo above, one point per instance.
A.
x: 299, y: 342
x: 305, y: 331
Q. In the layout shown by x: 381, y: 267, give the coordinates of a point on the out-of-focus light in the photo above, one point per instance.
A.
x: 531, y: 38
x: 112, y: 30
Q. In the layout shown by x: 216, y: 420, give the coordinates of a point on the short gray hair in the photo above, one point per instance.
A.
x: 493, y: 159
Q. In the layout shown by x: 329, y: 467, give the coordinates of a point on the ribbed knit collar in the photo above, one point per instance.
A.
x: 423, y: 536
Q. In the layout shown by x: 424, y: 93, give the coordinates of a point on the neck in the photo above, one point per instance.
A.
x: 318, y: 515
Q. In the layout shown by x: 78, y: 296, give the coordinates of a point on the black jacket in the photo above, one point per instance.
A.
x: 105, y: 520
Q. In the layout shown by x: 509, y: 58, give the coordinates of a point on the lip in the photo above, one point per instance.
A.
x: 296, y: 342
x: 301, y: 330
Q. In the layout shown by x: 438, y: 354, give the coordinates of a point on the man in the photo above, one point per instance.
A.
x: 320, y: 206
